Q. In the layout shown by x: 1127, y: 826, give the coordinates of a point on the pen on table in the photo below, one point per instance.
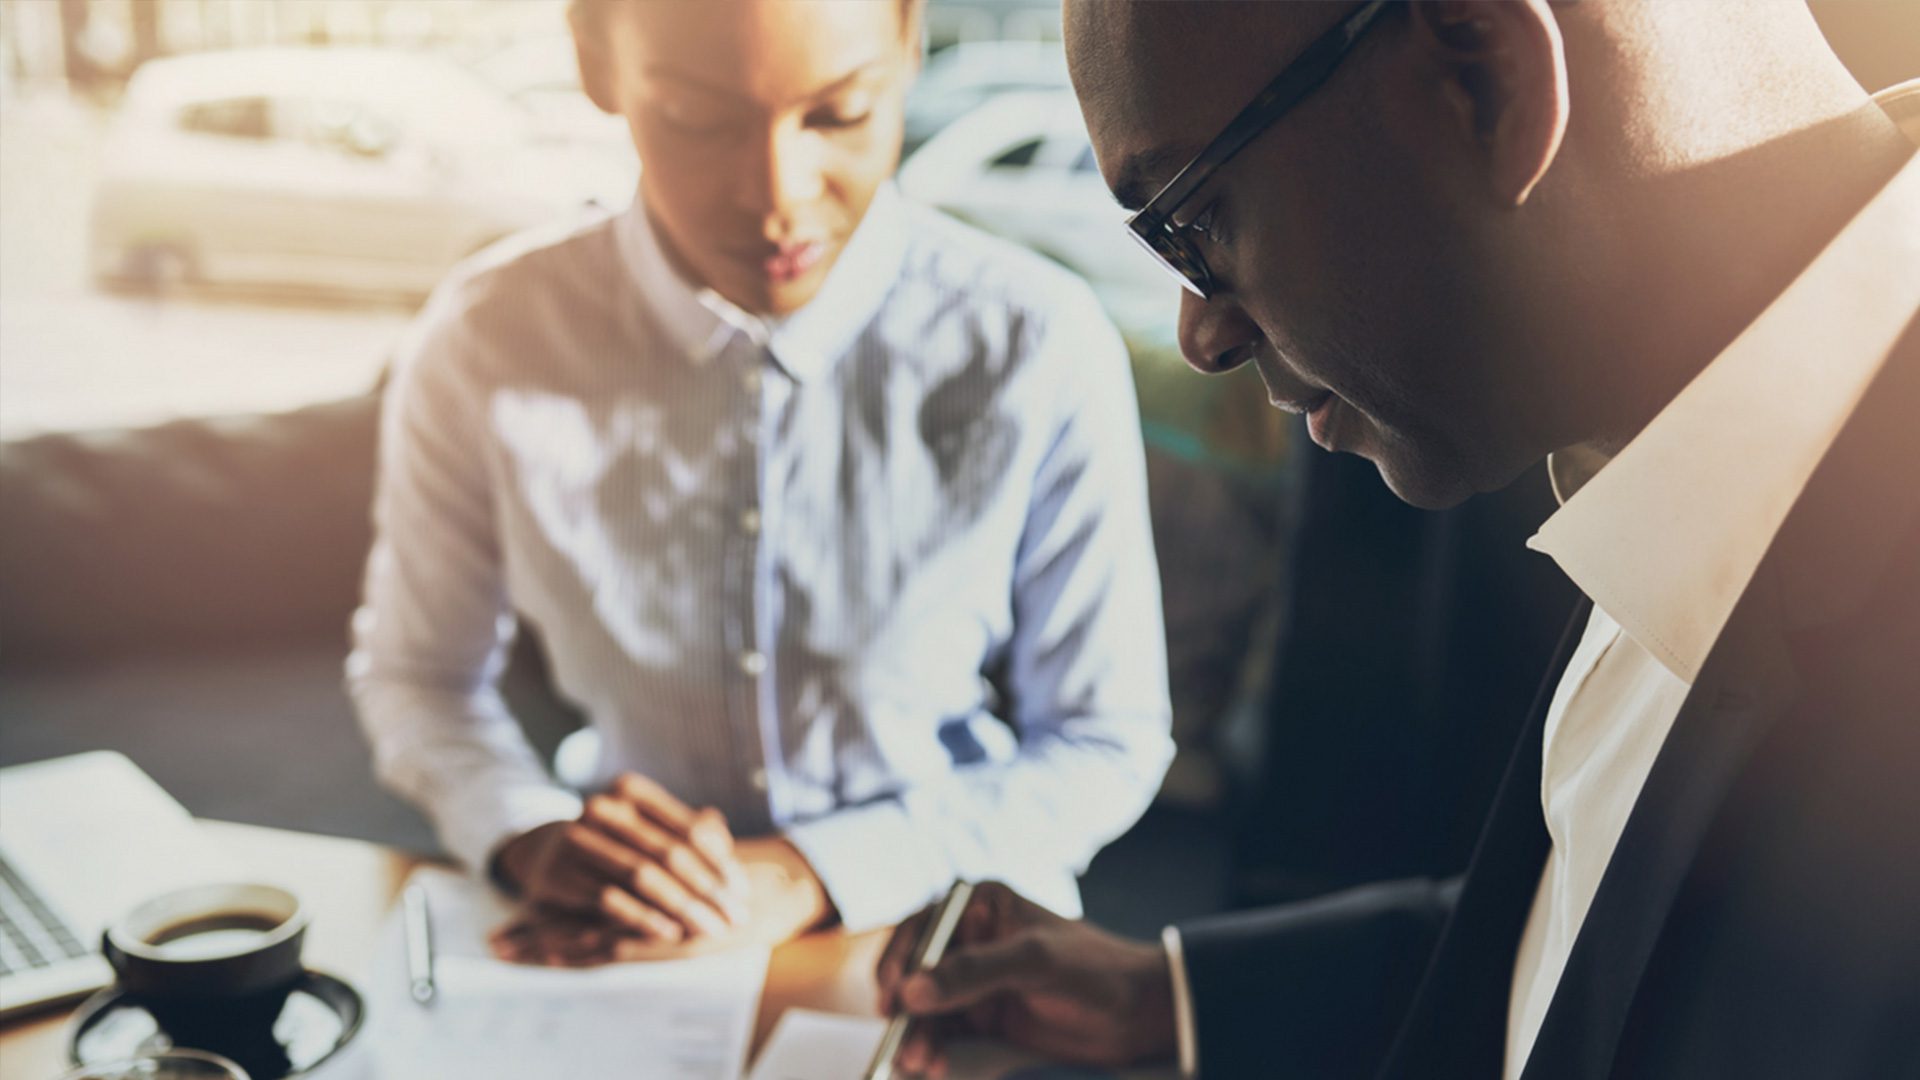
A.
x: 419, y: 945
x: 926, y: 954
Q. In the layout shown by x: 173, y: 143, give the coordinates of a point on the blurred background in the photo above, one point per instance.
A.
x: 217, y: 215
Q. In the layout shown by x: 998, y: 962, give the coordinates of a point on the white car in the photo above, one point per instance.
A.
x: 1020, y: 166
x: 959, y: 79
x: 338, y: 169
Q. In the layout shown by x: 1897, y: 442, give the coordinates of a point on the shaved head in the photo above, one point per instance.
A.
x: 1496, y: 229
x: 1135, y: 60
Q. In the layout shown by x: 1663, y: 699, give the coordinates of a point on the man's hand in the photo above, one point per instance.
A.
x: 1017, y: 971
x: 785, y: 899
x: 637, y: 858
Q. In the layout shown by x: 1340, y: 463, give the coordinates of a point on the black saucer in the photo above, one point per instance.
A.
x: 321, y: 1016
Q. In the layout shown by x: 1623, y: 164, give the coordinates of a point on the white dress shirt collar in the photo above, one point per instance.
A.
x: 701, y: 322
x: 1666, y: 535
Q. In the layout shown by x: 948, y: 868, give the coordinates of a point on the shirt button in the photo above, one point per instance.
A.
x: 750, y: 521
x: 750, y: 380
x: 758, y: 779
x: 753, y: 663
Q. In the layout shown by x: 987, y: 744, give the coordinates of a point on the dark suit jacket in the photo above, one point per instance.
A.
x: 1760, y: 917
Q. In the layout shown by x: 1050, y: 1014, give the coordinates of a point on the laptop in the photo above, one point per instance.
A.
x: 82, y: 840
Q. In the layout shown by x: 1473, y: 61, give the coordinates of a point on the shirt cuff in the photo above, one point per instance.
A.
x: 874, y: 865
x: 1184, y: 1033
x: 476, y: 821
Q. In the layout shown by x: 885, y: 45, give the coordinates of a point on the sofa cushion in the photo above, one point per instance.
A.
x: 189, y: 533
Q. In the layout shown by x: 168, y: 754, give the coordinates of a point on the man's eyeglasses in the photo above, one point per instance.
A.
x: 1153, y: 225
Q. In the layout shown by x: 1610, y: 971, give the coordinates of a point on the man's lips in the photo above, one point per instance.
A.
x: 1300, y: 406
x: 1318, y: 409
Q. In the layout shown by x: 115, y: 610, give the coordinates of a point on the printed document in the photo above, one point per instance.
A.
x: 666, y: 1020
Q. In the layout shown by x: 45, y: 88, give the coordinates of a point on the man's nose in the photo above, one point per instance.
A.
x: 1215, y: 335
x: 785, y: 170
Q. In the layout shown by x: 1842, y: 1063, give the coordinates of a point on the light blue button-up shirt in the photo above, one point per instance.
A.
x: 877, y: 576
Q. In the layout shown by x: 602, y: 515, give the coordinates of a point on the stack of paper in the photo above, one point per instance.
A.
x: 669, y: 1020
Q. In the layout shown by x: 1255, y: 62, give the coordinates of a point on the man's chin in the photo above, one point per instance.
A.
x: 1423, y: 486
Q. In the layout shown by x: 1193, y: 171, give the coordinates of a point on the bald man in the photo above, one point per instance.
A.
x: 1675, y: 250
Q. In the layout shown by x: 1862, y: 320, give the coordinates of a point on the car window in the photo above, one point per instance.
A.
x: 345, y: 127
x: 237, y: 118
x: 1019, y: 156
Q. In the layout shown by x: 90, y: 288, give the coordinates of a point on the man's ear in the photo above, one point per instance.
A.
x: 595, y: 56
x: 1505, y: 76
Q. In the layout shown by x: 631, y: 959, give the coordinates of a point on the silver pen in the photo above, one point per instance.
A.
x: 419, y: 945
x: 932, y: 946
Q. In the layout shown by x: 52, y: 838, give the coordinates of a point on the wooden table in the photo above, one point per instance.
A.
x: 348, y: 885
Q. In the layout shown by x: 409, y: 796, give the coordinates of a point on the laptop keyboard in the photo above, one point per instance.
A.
x: 31, y: 935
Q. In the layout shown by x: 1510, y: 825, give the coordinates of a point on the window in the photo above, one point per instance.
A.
x: 237, y: 118
x: 1019, y: 157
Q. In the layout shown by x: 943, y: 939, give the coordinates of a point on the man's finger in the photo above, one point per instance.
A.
x: 1023, y: 961
x: 894, y: 958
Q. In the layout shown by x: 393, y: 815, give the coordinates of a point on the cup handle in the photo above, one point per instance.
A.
x: 116, y: 959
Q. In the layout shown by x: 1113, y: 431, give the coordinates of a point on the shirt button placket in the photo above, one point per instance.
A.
x: 751, y: 660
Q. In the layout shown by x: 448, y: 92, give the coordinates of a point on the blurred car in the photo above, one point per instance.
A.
x: 1020, y: 166
x: 363, y: 170
x: 961, y: 78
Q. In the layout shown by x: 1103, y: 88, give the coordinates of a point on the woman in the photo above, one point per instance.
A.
x: 830, y: 512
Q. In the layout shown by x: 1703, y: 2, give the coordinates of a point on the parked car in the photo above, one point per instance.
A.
x: 338, y: 169
x: 1020, y: 166
x: 961, y: 78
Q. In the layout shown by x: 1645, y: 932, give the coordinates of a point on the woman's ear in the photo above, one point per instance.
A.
x: 1504, y: 71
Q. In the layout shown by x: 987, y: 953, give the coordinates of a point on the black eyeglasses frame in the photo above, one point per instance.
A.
x: 1153, y: 225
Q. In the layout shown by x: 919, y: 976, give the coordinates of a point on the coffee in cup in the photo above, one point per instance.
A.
x: 214, y: 965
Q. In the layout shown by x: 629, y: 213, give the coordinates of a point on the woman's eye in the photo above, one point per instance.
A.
x: 849, y: 115
x: 691, y: 121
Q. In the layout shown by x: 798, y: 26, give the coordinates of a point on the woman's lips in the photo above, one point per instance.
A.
x: 789, y: 262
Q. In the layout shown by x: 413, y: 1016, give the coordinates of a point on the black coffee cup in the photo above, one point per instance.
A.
x: 214, y: 965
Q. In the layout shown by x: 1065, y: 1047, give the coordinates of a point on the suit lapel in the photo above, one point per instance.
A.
x: 1458, y: 1016
x: 1745, y: 686
x: 1836, y: 543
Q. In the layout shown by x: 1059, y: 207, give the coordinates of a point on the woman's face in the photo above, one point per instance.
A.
x: 764, y: 128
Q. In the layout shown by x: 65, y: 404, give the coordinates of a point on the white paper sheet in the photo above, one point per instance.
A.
x: 672, y: 1020
x: 811, y: 1045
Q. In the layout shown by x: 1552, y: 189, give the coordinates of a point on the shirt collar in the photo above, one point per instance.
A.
x: 1666, y: 535
x: 700, y: 322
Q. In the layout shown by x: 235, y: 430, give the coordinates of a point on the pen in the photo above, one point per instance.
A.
x: 927, y: 953
x: 419, y: 945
